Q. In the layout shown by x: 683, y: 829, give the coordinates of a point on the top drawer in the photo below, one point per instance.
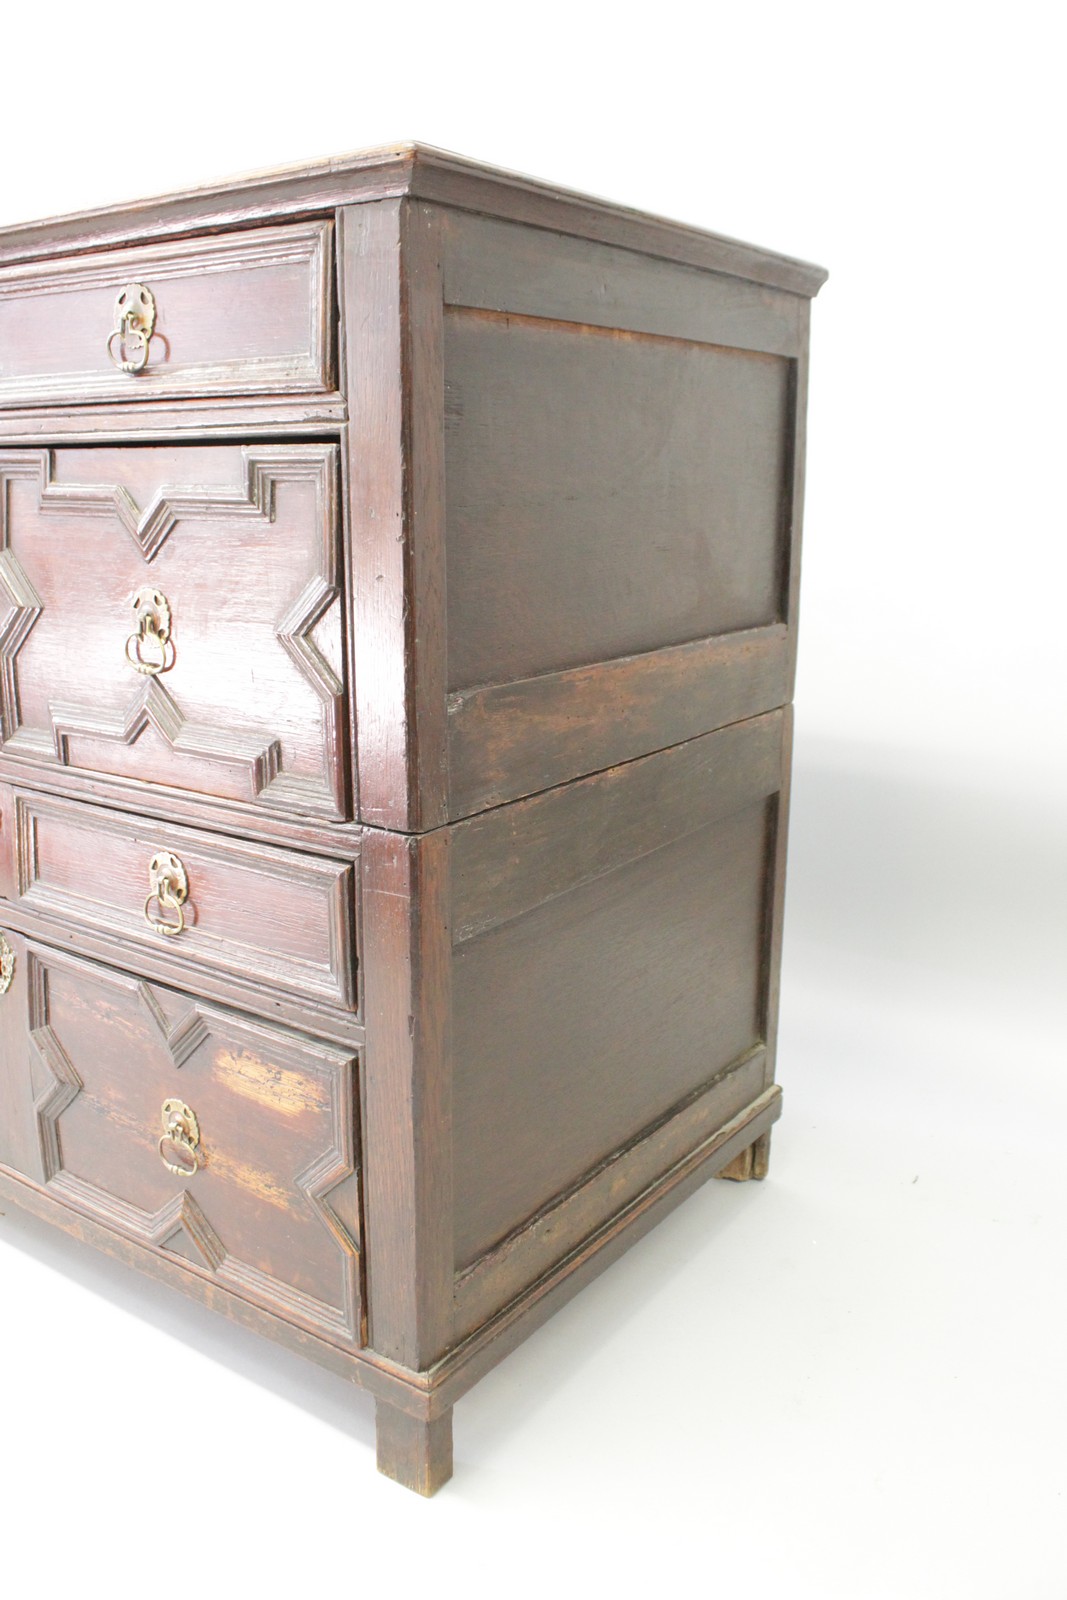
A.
x: 243, y: 313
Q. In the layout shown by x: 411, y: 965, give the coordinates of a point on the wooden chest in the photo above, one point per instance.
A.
x: 398, y: 592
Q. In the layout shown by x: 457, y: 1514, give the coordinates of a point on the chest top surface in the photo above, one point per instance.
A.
x: 412, y: 169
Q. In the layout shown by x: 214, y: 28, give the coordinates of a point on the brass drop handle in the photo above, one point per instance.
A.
x: 135, y: 323
x: 149, y: 648
x: 180, y: 1141
x: 168, y: 891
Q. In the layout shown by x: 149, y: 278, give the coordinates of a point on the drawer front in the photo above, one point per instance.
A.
x: 249, y: 911
x: 210, y: 1137
x: 174, y: 614
x: 244, y: 313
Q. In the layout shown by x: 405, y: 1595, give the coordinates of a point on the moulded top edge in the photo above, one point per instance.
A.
x: 422, y: 172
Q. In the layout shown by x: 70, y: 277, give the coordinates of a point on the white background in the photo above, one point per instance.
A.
x: 847, y: 1381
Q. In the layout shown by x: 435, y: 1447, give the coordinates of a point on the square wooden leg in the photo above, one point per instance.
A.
x: 751, y: 1163
x: 415, y: 1453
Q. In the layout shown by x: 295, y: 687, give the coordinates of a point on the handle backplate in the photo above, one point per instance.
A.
x: 168, y: 890
x: 135, y: 323
x: 149, y: 648
x: 179, y: 1144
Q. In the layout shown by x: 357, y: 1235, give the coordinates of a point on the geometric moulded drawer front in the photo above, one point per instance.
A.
x: 172, y: 614
x: 242, y: 313
x: 214, y: 1138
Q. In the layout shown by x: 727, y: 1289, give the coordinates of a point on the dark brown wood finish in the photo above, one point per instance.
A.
x: 494, y: 266
x: 573, y: 584
x: 396, y: 500
x: 621, y: 507
x: 272, y: 1207
x: 426, y: 173
x: 417, y: 1454
x: 617, y: 922
x: 477, y: 508
x: 128, y: 421
x: 516, y: 739
x: 243, y: 545
x: 273, y: 917
x: 639, y: 483
x: 753, y: 1162
x: 774, y: 911
x: 246, y: 313
x: 407, y: 1096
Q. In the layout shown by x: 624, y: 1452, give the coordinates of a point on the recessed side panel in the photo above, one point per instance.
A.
x: 621, y: 505
x: 609, y: 493
x: 610, y: 980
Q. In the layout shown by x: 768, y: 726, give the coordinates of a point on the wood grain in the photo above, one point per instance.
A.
x: 500, y: 1275
x: 490, y: 265
x: 273, y: 1211
x: 608, y: 962
x: 129, y: 422
x: 516, y: 858
x: 608, y: 493
x: 19, y: 1149
x: 395, y: 496
x: 515, y: 739
x: 478, y: 505
x: 424, y: 173
x: 407, y: 1096
x: 476, y: 1355
x: 243, y: 314
x: 414, y: 1452
x: 244, y: 544
x: 270, y: 916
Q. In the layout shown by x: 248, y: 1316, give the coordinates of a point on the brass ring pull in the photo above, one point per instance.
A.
x: 149, y: 653
x: 149, y: 648
x: 180, y: 1139
x: 135, y: 321
x: 123, y: 360
x: 168, y: 889
x: 164, y: 898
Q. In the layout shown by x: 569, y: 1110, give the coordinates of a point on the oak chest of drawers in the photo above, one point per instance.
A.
x: 398, y: 576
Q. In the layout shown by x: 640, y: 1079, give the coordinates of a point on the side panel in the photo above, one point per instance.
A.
x: 621, y: 509
x: 612, y: 954
x: 609, y: 493
x: 574, y: 503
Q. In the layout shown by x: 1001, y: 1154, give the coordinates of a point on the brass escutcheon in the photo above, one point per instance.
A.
x: 181, y: 1133
x: 7, y: 965
x: 168, y: 889
x: 149, y: 648
x: 135, y: 322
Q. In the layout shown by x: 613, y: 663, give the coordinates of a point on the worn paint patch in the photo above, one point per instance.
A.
x: 280, y: 1089
x: 265, y: 1186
